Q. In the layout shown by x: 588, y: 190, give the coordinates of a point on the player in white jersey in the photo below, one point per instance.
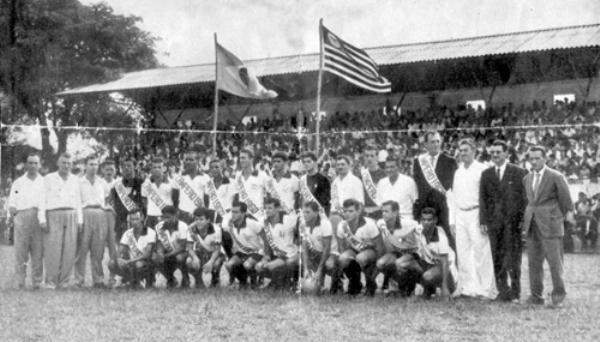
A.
x: 398, y: 239
x: 134, y: 262
x: 320, y: 254
x: 171, y: 237
x: 280, y: 260
x: 360, y: 246
x: 204, y: 247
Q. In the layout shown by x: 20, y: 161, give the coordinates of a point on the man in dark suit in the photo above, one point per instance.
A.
x: 502, y: 203
x: 549, y: 201
x: 434, y: 172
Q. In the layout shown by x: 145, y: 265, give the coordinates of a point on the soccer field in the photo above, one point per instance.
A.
x: 227, y: 314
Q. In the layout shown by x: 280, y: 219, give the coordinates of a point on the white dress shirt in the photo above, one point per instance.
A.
x: 255, y: 186
x: 164, y: 190
x: 26, y: 193
x: 225, y: 193
x: 93, y: 194
x: 403, y: 191
x: 502, y: 169
x: 62, y: 193
x: 466, y: 185
x: 349, y: 187
x: 198, y: 183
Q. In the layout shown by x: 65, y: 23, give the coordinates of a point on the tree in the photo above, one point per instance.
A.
x: 49, y: 45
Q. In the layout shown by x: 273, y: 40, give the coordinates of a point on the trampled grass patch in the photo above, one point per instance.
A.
x: 230, y: 314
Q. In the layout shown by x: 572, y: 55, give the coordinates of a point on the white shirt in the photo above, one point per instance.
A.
x: 366, y: 233
x: 433, y: 159
x: 173, y: 238
x: 248, y: 235
x: 255, y: 186
x: 539, y: 175
x: 287, y: 187
x: 60, y: 193
x: 210, y: 243
x: 197, y: 184
x: 26, y: 194
x: 225, y: 193
x: 283, y: 234
x: 466, y: 185
x: 408, y: 227
x: 141, y: 243
x: 349, y: 187
x: 403, y: 191
x: 319, y: 233
x: 164, y: 190
x: 502, y: 169
x: 93, y: 194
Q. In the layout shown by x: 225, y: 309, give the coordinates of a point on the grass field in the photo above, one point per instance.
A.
x: 227, y: 314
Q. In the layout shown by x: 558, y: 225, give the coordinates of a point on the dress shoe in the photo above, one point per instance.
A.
x: 534, y: 300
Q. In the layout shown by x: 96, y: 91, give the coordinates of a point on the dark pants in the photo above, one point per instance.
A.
x: 538, y: 250
x: 227, y: 242
x: 507, y: 246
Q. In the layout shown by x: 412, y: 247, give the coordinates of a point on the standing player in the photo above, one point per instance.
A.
x: 95, y: 226
x: 171, y: 236
x: 475, y: 266
x: 190, y: 185
x: 204, y: 247
x: 433, y: 172
x: 370, y: 175
x: 26, y: 205
x: 108, y: 172
x: 398, y: 188
x: 344, y: 187
x: 65, y: 221
x: 314, y: 186
x: 360, y: 246
x: 134, y: 262
x: 250, y: 185
x: 247, y: 244
x: 282, y: 185
x: 398, y: 239
x: 280, y: 260
x: 157, y: 193
x: 320, y: 254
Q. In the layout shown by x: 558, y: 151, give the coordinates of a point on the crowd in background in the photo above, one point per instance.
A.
x: 567, y: 130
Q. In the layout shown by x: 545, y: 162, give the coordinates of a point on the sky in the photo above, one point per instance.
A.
x: 268, y: 28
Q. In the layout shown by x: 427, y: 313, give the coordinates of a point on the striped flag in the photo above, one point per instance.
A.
x: 351, y: 63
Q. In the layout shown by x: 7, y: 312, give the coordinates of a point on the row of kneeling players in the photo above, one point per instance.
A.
x: 290, y: 251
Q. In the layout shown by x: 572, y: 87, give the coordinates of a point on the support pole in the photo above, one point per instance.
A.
x: 319, y: 81
x: 215, y: 102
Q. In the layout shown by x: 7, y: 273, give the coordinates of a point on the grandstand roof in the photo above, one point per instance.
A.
x: 508, y: 43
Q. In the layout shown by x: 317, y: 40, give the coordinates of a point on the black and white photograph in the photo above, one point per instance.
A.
x: 299, y: 170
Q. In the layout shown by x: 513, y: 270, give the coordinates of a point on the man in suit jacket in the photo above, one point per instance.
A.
x: 502, y: 203
x: 549, y: 201
x: 433, y: 172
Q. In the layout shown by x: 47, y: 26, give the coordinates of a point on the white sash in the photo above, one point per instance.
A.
x: 430, y: 175
x: 389, y: 236
x: 164, y: 238
x: 189, y: 191
x: 371, y: 188
x: 269, y: 235
x: 244, y: 197
x: 214, y: 197
x: 335, y: 197
x: 133, y: 247
x: 198, y: 240
x: 308, y: 196
x: 354, y: 242
x: 154, y: 196
x: 244, y: 249
x: 273, y: 191
x: 306, y: 236
x: 121, y: 191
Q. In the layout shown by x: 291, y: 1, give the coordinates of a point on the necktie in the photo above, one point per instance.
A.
x: 498, y: 173
x: 536, y: 182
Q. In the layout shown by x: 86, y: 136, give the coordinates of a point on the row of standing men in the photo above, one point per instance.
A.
x: 482, y: 212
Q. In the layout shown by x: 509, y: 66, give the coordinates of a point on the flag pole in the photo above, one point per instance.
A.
x: 319, y: 81
x: 215, y: 102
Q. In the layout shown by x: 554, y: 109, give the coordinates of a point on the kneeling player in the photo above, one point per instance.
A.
x: 247, y: 244
x: 171, y: 234
x: 434, y: 262
x: 204, y: 247
x: 133, y: 263
x: 319, y: 247
x: 280, y: 261
x: 398, y: 239
x: 360, y: 246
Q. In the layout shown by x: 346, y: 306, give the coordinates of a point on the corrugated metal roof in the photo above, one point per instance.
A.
x: 519, y: 42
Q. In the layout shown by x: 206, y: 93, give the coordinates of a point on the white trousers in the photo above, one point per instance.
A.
x: 475, y: 265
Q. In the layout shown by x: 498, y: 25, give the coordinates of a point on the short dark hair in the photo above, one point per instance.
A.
x: 274, y: 201
x: 430, y: 133
x: 204, y: 212
x: 213, y: 161
x: 135, y: 212
x: 429, y: 211
x: 279, y: 155
x: 129, y: 160
x: 351, y: 202
x: 169, y: 209
x: 32, y: 154
x: 344, y: 158
x: 370, y: 148
x: 65, y: 155
x: 247, y: 152
x: 312, y: 205
x: 538, y: 148
x: 501, y: 143
x: 157, y: 160
x: 239, y: 204
x: 392, y: 159
x: 393, y: 204
x: 92, y: 157
x: 309, y: 155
